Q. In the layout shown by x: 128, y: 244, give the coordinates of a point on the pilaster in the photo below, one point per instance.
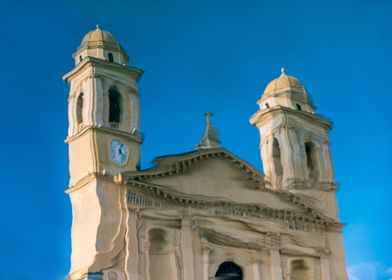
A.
x: 275, y: 261
x: 132, y: 248
x: 187, y: 249
x: 205, y: 259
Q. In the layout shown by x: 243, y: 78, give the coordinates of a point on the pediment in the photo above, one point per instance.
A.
x: 213, y: 175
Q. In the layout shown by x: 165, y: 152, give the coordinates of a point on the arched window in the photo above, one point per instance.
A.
x: 229, y: 271
x: 267, y: 105
x: 79, y: 109
x: 311, y: 161
x: 80, y: 58
x: 299, y: 271
x: 277, y: 160
x: 298, y: 107
x: 114, y: 107
x: 110, y: 56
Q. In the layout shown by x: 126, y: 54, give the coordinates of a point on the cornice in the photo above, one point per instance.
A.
x: 147, y: 195
x: 260, y: 116
x: 87, y: 179
x: 93, y: 62
x: 81, y: 183
x: 136, y: 136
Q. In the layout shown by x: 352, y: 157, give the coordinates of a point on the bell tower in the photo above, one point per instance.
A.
x: 104, y: 120
x: 104, y: 139
x: 295, y: 145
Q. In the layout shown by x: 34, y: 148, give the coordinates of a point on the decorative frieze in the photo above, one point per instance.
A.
x: 289, y: 220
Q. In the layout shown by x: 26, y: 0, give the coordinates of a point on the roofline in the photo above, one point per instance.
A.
x: 177, y: 166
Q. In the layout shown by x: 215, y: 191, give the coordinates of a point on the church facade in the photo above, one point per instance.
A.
x: 201, y: 215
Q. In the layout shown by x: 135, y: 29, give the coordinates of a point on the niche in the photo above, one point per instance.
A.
x: 79, y: 109
x: 276, y: 156
x: 311, y: 161
x: 161, y: 264
x: 300, y: 271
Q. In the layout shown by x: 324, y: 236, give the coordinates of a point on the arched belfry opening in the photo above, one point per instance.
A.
x: 277, y: 159
x: 79, y: 109
x: 311, y: 161
x: 229, y: 271
x: 114, y: 107
x: 110, y: 57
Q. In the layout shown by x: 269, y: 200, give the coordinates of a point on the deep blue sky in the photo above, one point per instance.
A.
x: 198, y: 56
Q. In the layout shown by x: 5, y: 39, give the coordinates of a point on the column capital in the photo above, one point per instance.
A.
x: 272, y: 240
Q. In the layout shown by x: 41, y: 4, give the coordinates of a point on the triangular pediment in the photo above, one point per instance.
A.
x: 214, y: 175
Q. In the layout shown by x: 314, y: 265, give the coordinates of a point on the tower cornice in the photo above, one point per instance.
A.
x: 94, y: 62
x: 261, y: 116
x: 135, y: 135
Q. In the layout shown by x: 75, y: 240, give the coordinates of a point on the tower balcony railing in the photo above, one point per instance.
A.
x: 114, y: 124
x: 134, y: 131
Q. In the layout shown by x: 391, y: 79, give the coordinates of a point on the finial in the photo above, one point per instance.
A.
x: 210, y: 138
x: 209, y: 114
x: 97, y: 26
x: 282, y: 70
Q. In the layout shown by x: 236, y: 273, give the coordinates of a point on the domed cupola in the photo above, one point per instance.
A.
x: 286, y: 91
x: 101, y: 44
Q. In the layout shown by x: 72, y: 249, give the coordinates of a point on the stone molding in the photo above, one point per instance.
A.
x: 164, y: 200
x: 137, y: 136
x: 261, y: 116
x: 93, y: 61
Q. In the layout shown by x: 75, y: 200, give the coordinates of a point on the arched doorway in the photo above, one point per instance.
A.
x: 229, y: 271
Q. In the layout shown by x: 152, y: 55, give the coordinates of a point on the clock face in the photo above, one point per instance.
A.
x: 118, y: 152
